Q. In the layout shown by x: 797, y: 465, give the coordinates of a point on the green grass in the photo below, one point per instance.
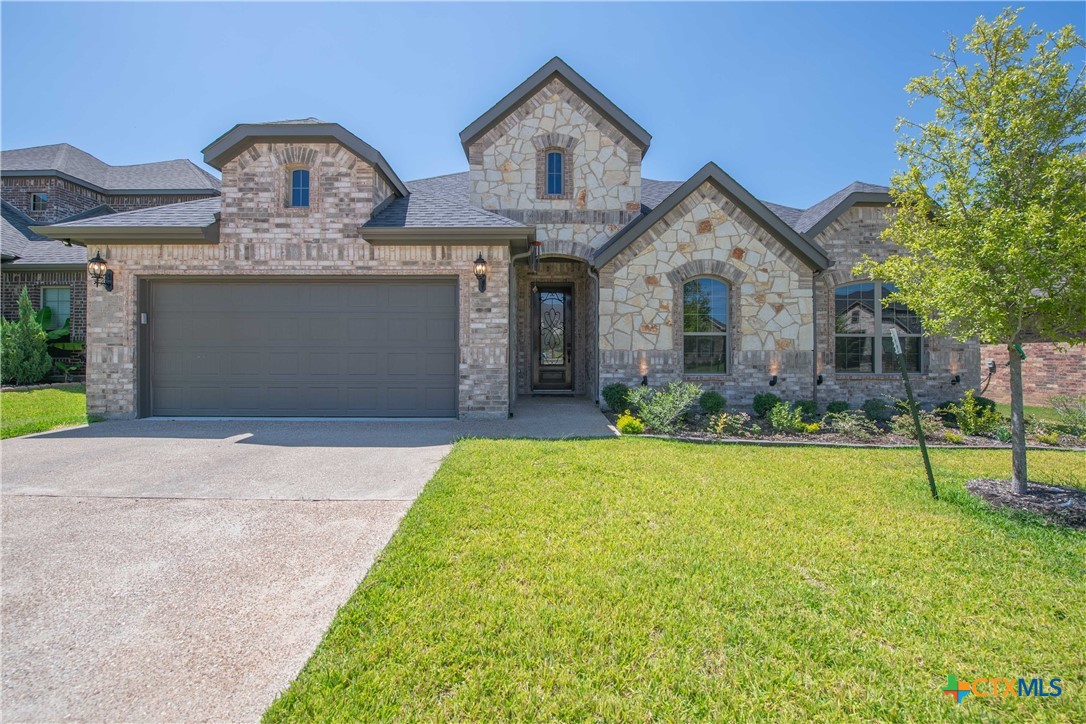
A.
x: 635, y: 579
x: 1041, y: 413
x: 22, y: 413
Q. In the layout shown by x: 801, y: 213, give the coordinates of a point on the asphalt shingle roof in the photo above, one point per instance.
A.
x: 196, y: 214
x: 425, y: 210
x: 19, y: 246
x: 810, y: 217
x: 180, y: 174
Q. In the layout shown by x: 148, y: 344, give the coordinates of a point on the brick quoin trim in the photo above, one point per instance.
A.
x: 1047, y: 371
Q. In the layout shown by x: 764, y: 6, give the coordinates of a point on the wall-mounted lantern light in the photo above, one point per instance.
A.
x: 644, y: 380
x: 480, y: 272
x: 97, y: 270
x: 819, y: 380
x: 956, y: 379
x: 773, y: 381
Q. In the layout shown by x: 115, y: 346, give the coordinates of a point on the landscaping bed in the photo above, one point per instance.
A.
x: 1055, y: 503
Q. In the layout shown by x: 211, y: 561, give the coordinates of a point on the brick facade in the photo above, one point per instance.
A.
x: 1047, y: 371
x: 67, y: 198
x: 261, y: 236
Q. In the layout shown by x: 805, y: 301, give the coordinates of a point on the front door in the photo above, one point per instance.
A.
x: 552, y: 338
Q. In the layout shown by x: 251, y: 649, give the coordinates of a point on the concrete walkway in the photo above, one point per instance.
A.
x: 161, y: 570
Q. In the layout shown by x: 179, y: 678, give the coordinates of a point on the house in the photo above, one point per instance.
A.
x: 321, y: 284
x: 61, y: 183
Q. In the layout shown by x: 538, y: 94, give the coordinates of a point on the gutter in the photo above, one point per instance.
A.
x: 82, y: 235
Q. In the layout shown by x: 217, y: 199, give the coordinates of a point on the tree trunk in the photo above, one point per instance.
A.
x: 1018, y: 424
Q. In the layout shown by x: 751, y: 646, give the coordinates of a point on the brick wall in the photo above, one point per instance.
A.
x: 259, y: 236
x: 1047, y: 371
x: 76, y: 280
x: 67, y: 198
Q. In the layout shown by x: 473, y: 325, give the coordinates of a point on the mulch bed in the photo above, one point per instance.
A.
x: 1055, y: 503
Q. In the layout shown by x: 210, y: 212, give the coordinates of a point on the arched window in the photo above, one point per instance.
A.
x: 862, y: 325
x: 555, y: 178
x: 299, y: 188
x: 705, y: 326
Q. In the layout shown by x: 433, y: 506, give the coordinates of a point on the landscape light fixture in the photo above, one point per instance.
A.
x: 480, y: 272
x: 956, y: 379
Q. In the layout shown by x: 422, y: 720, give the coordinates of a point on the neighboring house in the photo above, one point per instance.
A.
x: 61, y: 183
x: 321, y: 284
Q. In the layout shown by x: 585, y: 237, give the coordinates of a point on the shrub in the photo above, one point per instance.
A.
x: 837, y: 406
x: 973, y: 417
x: 953, y: 437
x: 876, y: 410
x: 616, y: 396
x: 812, y: 427
x: 930, y: 425
x: 808, y: 408
x: 1049, y: 438
x: 711, y: 402
x: 1071, y: 412
x: 786, y: 418
x: 765, y: 402
x: 734, y: 424
x: 25, y: 349
x: 985, y: 403
x: 662, y: 408
x: 851, y: 424
x: 627, y: 424
x: 1003, y: 433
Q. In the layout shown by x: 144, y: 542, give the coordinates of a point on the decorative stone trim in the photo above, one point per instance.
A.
x: 541, y: 173
x: 713, y: 269
x: 571, y: 249
x: 555, y: 141
x: 532, y: 217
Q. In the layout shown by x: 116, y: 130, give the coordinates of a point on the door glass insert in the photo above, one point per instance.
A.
x: 552, y: 328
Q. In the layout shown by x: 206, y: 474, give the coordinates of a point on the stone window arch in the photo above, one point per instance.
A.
x: 707, y: 338
x: 554, y: 165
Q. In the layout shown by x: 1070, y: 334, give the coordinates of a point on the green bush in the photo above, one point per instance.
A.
x: 953, y: 437
x: 627, y: 424
x: 809, y: 408
x: 1003, y: 433
x: 877, y: 410
x: 837, y: 406
x: 711, y: 402
x: 1049, y: 438
x: 663, y: 408
x: 1071, y: 413
x: 765, y: 402
x: 734, y: 424
x: 985, y: 403
x: 616, y: 396
x: 973, y: 417
x: 24, y: 347
x: 851, y: 423
x: 930, y: 425
x: 786, y: 418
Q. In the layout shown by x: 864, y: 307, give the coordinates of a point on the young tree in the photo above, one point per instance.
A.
x: 25, y: 350
x: 991, y: 208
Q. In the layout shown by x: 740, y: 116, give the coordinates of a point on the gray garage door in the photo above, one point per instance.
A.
x: 370, y: 348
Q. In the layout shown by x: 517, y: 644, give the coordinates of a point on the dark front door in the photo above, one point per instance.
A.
x: 552, y: 338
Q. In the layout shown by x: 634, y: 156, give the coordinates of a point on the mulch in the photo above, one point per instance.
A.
x: 1055, y: 503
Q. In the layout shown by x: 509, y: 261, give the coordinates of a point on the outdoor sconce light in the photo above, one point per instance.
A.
x: 480, y: 272
x: 773, y: 381
x: 819, y: 380
x: 644, y: 380
x: 97, y: 270
x: 955, y: 379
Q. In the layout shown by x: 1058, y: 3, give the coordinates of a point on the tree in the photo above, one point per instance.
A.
x: 991, y: 208
x: 26, y: 357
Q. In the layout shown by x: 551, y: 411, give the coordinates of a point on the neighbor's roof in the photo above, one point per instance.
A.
x: 230, y: 144
x: 556, y: 68
x: 189, y: 220
x: 20, y: 246
x: 180, y: 176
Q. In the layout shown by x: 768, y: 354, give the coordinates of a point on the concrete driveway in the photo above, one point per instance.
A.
x: 185, y: 570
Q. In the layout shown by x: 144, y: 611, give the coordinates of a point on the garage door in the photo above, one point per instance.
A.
x: 370, y: 348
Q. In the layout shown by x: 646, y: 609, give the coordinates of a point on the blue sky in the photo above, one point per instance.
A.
x: 793, y: 100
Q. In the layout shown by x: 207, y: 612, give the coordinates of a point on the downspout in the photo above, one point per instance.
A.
x: 513, y: 328
x: 814, y: 337
x: 596, y: 387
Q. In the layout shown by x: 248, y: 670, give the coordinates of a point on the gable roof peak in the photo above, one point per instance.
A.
x: 556, y: 68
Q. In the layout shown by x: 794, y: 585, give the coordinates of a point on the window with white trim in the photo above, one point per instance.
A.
x: 862, y: 341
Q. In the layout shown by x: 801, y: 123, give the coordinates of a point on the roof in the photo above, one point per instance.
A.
x: 807, y: 251
x: 815, y: 219
x: 180, y: 176
x: 189, y: 220
x: 425, y: 210
x: 21, y: 246
x: 230, y: 144
x: 556, y: 68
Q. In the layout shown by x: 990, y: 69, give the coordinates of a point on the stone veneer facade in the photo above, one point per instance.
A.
x: 260, y: 236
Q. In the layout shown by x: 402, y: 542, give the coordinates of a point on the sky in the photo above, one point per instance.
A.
x: 794, y: 100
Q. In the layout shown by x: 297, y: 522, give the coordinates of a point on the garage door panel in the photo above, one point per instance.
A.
x: 304, y: 348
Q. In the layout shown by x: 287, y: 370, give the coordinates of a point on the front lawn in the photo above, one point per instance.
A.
x: 1041, y: 413
x: 635, y: 579
x: 22, y: 413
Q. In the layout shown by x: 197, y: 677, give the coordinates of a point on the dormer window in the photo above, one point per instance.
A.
x: 39, y: 201
x: 299, y: 188
x: 555, y: 160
